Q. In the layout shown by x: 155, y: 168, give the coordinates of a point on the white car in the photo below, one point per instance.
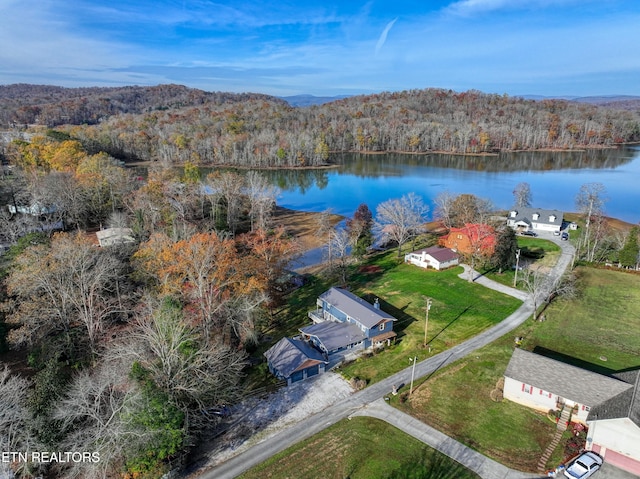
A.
x: 585, y: 465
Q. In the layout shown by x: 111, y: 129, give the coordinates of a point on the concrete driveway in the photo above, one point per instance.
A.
x: 610, y: 472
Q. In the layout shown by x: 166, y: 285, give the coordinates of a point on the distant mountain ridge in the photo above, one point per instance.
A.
x: 617, y: 102
x: 309, y: 100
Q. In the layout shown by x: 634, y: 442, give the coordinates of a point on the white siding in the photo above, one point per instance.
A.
x: 619, y: 435
x: 530, y: 396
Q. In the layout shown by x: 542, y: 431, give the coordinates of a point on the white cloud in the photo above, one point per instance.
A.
x: 383, y: 35
x: 469, y: 7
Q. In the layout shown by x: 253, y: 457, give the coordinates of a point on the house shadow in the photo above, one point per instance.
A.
x: 404, y: 319
x: 573, y: 361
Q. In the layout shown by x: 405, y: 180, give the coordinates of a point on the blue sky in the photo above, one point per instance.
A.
x: 334, y: 47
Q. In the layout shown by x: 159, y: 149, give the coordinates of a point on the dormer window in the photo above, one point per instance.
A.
x: 536, y: 216
x: 514, y: 213
x: 552, y: 219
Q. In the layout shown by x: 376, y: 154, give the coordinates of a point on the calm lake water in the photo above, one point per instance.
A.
x: 555, y: 179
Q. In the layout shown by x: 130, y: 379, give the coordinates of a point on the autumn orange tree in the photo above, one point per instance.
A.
x: 220, y: 287
x: 271, y: 252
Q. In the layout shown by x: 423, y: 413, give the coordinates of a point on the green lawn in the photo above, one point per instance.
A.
x: 459, y: 310
x: 597, y: 330
x: 543, y: 252
x: 360, y: 448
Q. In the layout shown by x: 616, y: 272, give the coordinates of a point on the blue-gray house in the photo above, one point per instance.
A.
x: 352, y: 314
x: 294, y: 360
x: 341, y: 322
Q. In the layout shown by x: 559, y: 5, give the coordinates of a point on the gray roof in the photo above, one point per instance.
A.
x: 355, y: 307
x: 334, y: 335
x: 442, y: 255
x: 526, y: 214
x: 624, y: 405
x: 289, y: 355
x: 569, y: 382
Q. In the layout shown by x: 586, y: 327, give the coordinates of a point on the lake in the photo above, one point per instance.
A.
x: 554, y: 177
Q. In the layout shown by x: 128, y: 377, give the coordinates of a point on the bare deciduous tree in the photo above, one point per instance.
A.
x: 535, y: 282
x: 96, y: 414
x: 14, y: 418
x: 60, y: 285
x: 522, y: 195
x: 468, y: 209
x: 339, y: 243
x: 400, y: 219
x: 262, y: 199
x: 590, y: 202
x: 229, y: 186
x: 194, y: 373
x: 443, y: 204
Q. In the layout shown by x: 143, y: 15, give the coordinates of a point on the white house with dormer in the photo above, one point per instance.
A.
x: 535, y: 219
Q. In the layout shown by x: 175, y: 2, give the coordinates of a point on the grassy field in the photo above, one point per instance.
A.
x: 544, y: 253
x: 360, y: 448
x: 459, y: 310
x: 598, y: 331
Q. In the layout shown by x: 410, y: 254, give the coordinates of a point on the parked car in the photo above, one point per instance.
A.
x: 529, y: 233
x: 585, y: 465
x: 565, y: 236
x: 556, y: 233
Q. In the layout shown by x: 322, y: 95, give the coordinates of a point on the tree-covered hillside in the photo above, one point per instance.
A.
x: 261, y: 131
x: 47, y: 105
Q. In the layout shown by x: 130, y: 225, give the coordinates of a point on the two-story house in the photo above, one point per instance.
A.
x: 473, y: 238
x: 342, y: 323
x: 348, y: 310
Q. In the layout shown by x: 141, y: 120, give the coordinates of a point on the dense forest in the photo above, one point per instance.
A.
x: 22, y: 104
x: 124, y: 349
x: 172, y: 124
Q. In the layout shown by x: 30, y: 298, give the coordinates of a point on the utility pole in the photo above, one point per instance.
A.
x: 515, y: 276
x: 426, y: 321
x: 413, y: 372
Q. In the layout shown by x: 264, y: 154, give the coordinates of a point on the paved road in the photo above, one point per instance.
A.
x: 363, y: 399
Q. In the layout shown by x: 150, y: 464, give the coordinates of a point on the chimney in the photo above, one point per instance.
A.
x: 376, y: 304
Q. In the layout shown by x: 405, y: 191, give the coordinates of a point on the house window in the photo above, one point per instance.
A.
x: 459, y: 236
x: 527, y: 389
x: 586, y: 408
x: 381, y: 327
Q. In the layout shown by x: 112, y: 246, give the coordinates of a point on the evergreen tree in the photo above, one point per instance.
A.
x: 504, y: 254
x: 359, y: 230
x: 629, y: 252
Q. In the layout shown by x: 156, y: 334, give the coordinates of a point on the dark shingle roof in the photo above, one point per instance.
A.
x: 289, y: 355
x: 624, y: 405
x: 335, y: 335
x: 569, y: 382
x: 355, y: 307
x: 443, y: 255
x: 526, y: 214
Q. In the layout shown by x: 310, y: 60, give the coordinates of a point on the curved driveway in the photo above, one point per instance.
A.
x: 356, y: 403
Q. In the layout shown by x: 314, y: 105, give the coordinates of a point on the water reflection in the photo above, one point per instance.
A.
x: 555, y: 179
